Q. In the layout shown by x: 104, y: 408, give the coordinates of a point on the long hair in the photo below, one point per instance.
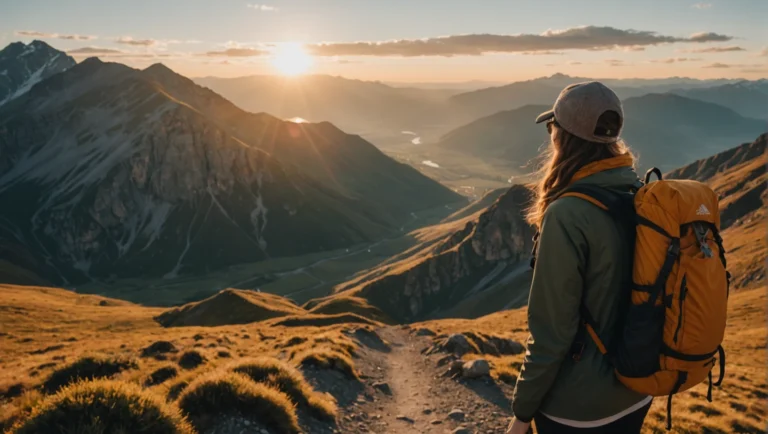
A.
x: 565, y: 155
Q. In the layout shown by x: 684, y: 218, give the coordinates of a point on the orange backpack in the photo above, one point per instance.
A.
x: 674, y: 326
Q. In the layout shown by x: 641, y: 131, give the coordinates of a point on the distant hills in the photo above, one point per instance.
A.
x: 666, y: 130
x: 24, y: 65
x: 748, y: 98
x: 111, y: 171
x: 375, y: 110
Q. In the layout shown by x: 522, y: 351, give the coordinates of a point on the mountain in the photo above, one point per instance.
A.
x: 544, y: 90
x: 473, y: 263
x: 111, y: 171
x: 372, y: 109
x: 666, y: 130
x: 748, y: 98
x: 24, y: 65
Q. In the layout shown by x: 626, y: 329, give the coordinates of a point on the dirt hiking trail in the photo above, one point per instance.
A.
x: 405, y: 391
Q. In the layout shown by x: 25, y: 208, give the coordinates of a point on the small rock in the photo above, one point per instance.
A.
x: 383, y: 387
x: 458, y: 344
x: 456, y: 414
x: 435, y: 421
x: 476, y: 368
x: 427, y: 411
x: 247, y: 422
x: 461, y: 430
x: 404, y: 418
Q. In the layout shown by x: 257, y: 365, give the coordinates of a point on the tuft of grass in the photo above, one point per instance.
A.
x: 220, y: 393
x: 325, y: 358
x: 159, y: 347
x: 288, y: 380
x: 86, y: 368
x: 103, y: 406
x: 161, y: 375
x: 191, y: 359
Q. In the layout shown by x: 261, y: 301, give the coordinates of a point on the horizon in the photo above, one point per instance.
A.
x: 498, y: 42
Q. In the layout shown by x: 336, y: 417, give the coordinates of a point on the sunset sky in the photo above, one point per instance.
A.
x: 407, y: 40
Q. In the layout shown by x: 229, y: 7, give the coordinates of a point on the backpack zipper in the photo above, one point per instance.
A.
x: 683, y: 292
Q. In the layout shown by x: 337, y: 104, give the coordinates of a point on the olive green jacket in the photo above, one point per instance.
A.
x: 577, y: 251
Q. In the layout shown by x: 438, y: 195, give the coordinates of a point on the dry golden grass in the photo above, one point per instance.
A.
x: 43, y: 330
x: 288, y: 380
x: 87, y: 368
x: 325, y: 358
x: 230, y: 306
x: 228, y: 393
x: 95, y: 407
x: 341, y: 304
x: 316, y: 320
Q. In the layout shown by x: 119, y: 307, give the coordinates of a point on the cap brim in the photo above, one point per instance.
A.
x: 547, y: 115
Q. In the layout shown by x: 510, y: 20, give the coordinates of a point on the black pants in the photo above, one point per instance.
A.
x: 629, y: 424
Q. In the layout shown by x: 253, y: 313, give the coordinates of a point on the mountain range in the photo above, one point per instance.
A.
x: 110, y: 171
x: 665, y: 130
x: 24, y: 65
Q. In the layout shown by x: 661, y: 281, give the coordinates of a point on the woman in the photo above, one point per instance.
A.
x: 566, y: 385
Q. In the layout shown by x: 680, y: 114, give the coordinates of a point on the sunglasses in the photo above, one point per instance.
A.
x: 550, y: 124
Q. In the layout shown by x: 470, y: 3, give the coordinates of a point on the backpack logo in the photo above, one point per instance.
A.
x: 703, y: 210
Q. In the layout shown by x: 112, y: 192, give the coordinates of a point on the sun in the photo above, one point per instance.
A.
x: 291, y: 59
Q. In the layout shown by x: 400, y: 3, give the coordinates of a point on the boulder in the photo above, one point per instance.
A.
x: 475, y: 368
x: 458, y: 344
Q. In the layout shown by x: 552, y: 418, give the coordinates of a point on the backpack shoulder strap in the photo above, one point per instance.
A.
x: 612, y: 203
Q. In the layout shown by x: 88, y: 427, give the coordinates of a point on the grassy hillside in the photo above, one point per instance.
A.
x: 52, y: 337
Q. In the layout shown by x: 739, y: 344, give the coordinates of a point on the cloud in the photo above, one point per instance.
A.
x: 715, y: 49
x: 263, y: 8
x: 708, y: 37
x: 763, y: 52
x: 677, y: 60
x: 755, y: 70
x: 44, y: 35
x: 615, y: 62
x: 543, y: 53
x: 237, y: 52
x: 576, y: 38
x: 127, y: 40
x: 574, y: 63
x: 701, y: 5
x: 93, y: 51
x: 734, y: 65
x: 109, y: 52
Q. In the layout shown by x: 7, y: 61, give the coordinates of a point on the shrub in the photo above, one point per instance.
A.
x: 103, y: 407
x: 327, y: 359
x: 161, y: 375
x: 220, y: 393
x: 191, y: 359
x: 86, y: 368
x: 159, y: 347
x: 288, y: 380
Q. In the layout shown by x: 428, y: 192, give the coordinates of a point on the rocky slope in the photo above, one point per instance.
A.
x: 739, y: 177
x: 24, y: 65
x: 111, y: 171
x: 489, y: 253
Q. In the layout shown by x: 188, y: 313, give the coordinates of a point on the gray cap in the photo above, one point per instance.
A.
x: 580, y: 105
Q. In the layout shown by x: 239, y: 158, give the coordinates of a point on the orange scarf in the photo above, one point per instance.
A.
x: 602, y: 165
